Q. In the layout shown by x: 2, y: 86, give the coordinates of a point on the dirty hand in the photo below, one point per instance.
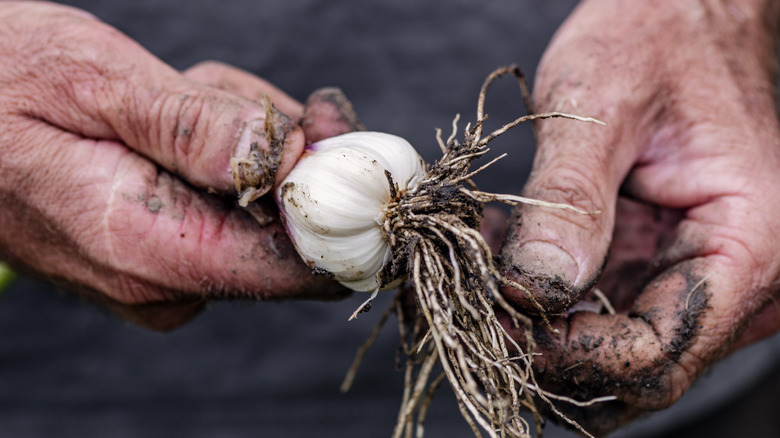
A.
x: 686, y: 178
x: 105, y: 157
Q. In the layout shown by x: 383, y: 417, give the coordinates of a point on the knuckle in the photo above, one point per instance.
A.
x: 574, y: 182
x: 654, y: 382
x: 55, y: 65
x: 195, y: 133
x: 182, y: 117
x: 681, y: 376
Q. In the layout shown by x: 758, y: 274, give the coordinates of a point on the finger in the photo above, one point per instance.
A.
x: 555, y: 253
x: 558, y: 254
x: 103, y: 216
x: 646, y: 360
x: 328, y: 113
x: 615, y: 80
x: 682, y: 321
x: 244, y: 84
x: 98, y: 83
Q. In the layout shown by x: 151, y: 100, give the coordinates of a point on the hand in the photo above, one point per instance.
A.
x: 106, y: 154
x: 685, y: 177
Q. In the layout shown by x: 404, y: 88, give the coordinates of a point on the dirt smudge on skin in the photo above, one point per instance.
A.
x: 154, y: 204
x: 558, y: 294
x: 626, y: 356
x: 554, y: 294
x: 255, y: 174
x: 589, y: 343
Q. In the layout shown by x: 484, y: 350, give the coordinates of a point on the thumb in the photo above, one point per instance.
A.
x: 104, y: 85
x: 557, y: 254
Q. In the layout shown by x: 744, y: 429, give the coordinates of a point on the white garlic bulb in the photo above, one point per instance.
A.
x: 333, y: 203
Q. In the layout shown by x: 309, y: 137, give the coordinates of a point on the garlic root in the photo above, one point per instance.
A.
x: 433, y: 233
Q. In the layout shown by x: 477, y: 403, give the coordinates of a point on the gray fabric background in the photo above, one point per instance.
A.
x: 68, y: 369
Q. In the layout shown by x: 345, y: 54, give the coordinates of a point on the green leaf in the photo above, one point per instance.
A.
x: 6, y: 277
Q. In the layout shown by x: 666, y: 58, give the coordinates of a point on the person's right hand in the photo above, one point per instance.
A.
x: 105, y: 157
x: 686, y: 175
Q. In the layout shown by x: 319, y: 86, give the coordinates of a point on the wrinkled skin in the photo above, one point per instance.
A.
x: 106, y: 157
x: 685, y: 176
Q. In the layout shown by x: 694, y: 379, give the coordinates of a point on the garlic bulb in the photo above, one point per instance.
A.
x: 333, y: 203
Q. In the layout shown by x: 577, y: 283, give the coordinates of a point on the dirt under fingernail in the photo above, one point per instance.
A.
x: 254, y: 175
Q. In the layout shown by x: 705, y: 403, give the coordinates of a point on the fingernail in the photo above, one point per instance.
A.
x: 251, y: 137
x: 254, y: 162
x: 546, y: 259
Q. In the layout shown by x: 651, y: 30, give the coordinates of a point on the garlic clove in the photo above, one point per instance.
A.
x: 333, y: 203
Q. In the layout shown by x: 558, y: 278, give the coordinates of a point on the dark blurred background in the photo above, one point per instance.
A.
x: 70, y: 369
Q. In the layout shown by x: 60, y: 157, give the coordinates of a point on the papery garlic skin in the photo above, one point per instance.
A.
x: 333, y: 203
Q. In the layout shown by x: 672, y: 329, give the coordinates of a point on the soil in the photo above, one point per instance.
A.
x: 255, y: 174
